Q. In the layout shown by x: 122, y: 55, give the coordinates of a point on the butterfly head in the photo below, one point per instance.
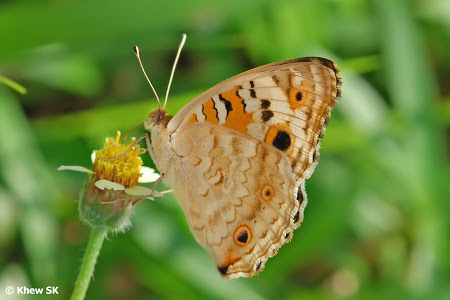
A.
x: 155, y: 118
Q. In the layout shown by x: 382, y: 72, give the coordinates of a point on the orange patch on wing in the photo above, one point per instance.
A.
x: 210, y: 112
x: 231, y: 257
x: 192, y: 120
x: 237, y: 118
x: 296, y: 98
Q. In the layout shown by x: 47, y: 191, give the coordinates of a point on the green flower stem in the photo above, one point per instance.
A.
x: 98, y: 234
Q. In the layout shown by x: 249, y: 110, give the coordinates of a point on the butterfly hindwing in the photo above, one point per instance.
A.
x: 236, y: 193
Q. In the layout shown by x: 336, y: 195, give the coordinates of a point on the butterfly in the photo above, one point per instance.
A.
x: 237, y: 157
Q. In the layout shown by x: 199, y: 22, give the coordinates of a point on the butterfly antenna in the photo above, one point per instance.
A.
x: 183, y: 40
x: 136, y: 50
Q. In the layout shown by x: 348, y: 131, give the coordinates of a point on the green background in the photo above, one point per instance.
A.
x: 377, y: 222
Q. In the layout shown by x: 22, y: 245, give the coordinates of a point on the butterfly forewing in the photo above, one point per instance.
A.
x: 284, y: 104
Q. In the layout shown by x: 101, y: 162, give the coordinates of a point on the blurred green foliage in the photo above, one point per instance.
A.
x: 377, y: 223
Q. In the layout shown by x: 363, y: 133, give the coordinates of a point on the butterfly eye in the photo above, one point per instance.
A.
x: 242, y: 236
x: 267, y: 192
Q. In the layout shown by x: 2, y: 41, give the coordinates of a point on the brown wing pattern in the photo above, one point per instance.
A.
x: 237, y: 194
x: 286, y: 104
x: 247, y: 146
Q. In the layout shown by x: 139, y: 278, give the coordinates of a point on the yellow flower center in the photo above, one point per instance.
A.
x: 118, y: 162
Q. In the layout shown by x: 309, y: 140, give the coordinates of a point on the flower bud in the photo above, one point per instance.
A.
x: 105, y: 207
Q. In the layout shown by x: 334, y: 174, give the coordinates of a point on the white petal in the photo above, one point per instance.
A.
x: 139, y: 191
x: 148, y: 175
x: 93, y: 156
x: 106, y: 184
x: 76, y: 168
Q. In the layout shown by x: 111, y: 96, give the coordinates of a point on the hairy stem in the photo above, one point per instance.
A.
x: 98, y: 234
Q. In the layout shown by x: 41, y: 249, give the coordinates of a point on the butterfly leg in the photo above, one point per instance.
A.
x: 147, y: 196
x: 155, y: 185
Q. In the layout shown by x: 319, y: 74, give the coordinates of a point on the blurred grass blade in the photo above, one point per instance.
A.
x: 24, y: 175
x: 14, y: 85
x: 412, y: 87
